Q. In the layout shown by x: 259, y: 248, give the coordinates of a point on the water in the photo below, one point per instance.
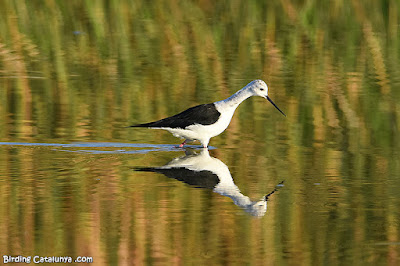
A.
x: 91, y: 199
x: 75, y: 181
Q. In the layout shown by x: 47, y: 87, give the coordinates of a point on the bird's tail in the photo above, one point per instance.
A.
x: 144, y: 169
x: 154, y: 124
x: 141, y: 125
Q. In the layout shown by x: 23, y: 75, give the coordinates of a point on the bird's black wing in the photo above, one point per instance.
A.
x: 204, y: 114
x: 199, y: 179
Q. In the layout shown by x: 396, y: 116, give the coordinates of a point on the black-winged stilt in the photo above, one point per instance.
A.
x: 205, y: 121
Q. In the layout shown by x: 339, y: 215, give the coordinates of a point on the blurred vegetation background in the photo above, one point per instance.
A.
x: 83, y: 70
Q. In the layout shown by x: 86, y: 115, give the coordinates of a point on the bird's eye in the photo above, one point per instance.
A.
x: 261, y: 89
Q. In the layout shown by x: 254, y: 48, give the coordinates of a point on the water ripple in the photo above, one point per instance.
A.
x: 134, y: 147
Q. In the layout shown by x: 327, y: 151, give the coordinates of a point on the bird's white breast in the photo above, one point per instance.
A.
x: 205, y: 132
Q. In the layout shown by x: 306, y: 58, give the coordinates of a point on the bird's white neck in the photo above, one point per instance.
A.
x: 235, y: 99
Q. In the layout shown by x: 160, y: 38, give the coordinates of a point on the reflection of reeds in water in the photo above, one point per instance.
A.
x: 147, y: 55
x: 136, y: 60
x: 194, y: 51
x: 84, y: 70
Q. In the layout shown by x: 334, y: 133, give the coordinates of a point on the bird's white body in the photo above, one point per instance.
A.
x: 204, y: 133
x: 224, y: 109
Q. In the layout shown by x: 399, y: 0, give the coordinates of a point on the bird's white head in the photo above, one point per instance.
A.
x: 260, y: 88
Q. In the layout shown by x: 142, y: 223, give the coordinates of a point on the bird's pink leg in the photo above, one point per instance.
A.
x: 182, y: 144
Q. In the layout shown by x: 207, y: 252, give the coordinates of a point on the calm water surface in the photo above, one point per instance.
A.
x: 318, y: 187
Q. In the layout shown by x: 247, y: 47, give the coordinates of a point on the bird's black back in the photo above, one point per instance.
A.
x: 204, y: 114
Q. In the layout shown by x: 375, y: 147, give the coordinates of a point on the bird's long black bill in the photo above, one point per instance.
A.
x: 269, y: 99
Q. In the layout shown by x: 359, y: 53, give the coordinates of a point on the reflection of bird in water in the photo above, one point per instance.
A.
x: 205, y: 121
x: 203, y: 171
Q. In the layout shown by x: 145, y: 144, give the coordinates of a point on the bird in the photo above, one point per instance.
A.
x: 204, y: 121
x: 201, y: 170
